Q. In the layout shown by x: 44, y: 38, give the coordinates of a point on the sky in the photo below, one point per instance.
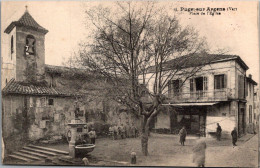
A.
x: 235, y: 30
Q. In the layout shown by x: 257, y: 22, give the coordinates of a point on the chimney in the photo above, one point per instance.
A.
x: 250, y: 76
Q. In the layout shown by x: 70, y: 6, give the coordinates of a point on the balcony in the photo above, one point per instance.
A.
x: 201, y: 96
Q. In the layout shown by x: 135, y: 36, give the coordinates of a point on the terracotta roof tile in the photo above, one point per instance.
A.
x: 27, y: 21
x: 15, y: 87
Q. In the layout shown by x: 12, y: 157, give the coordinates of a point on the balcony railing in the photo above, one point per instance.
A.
x: 200, y: 96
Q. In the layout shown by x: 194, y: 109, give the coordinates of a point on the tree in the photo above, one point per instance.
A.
x: 131, y: 44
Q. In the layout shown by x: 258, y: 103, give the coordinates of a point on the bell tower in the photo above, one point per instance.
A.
x: 27, y: 48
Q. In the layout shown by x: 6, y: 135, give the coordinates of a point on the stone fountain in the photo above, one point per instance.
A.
x: 76, y: 128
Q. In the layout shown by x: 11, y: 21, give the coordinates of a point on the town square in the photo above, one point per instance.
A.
x: 130, y: 83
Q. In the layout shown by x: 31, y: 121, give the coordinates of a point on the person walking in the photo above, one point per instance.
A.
x: 92, y: 136
x: 182, y: 135
x: 234, y: 137
x: 218, y: 132
x: 199, y: 151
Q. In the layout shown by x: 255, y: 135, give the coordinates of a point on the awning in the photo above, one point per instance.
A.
x: 191, y: 104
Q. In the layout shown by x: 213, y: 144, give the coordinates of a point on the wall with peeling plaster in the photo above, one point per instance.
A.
x: 43, y: 121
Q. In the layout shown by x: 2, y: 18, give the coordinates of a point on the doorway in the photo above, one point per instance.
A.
x: 241, y: 121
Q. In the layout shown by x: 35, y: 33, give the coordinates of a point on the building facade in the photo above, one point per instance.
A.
x: 256, y: 109
x: 219, y: 93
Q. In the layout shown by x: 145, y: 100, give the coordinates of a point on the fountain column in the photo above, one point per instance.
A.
x: 72, y: 141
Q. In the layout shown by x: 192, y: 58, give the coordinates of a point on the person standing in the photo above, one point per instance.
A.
x: 92, y: 136
x: 111, y: 132
x: 127, y: 127
x: 218, y: 132
x: 234, y: 136
x: 122, y: 131
x: 133, y: 131
x: 136, y: 132
x: 182, y: 135
x: 115, y: 132
x: 199, y: 151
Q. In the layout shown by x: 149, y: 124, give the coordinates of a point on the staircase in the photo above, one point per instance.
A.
x: 38, y: 155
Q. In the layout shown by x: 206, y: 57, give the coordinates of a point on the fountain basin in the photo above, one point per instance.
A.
x: 83, y: 150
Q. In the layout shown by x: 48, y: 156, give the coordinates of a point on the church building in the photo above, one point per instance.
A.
x: 39, y: 100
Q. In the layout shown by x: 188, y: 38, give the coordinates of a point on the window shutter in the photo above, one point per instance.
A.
x: 191, y: 85
x: 180, y: 86
x: 225, y: 81
x: 246, y: 89
x: 215, y: 82
x: 169, y: 88
x: 241, y: 86
x: 205, y: 83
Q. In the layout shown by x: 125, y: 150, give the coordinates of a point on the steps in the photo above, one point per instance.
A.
x: 40, y: 151
x: 49, y: 149
x: 28, y: 156
x: 20, y: 158
x: 33, y: 154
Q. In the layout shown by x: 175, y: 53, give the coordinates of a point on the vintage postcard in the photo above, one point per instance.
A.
x: 130, y: 83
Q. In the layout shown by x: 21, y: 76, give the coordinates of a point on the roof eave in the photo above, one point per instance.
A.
x: 13, y: 24
x: 10, y: 28
x: 234, y: 58
x: 251, y: 80
x: 242, y: 63
x: 35, y: 94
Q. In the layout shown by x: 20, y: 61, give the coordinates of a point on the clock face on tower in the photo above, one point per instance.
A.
x: 30, y: 45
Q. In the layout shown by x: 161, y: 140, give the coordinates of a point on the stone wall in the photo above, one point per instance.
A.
x: 21, y: 58
x: 97, y: 106
x: 13, y: 123
x: 30, y: 118
x: 163, y: 120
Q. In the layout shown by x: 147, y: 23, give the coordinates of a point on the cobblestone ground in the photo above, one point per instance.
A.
x: 165, y: 150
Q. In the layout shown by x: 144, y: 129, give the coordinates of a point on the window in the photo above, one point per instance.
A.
x: 50, y: 102
x: 199, y: 83
x: 79, y: 129
x: 250, y: 113
x: 43, y: 102
x: 220, y: 81
x: 12, y: 46
x: 81, y: 113
x: 30, y: 45
x: 175, y: 86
